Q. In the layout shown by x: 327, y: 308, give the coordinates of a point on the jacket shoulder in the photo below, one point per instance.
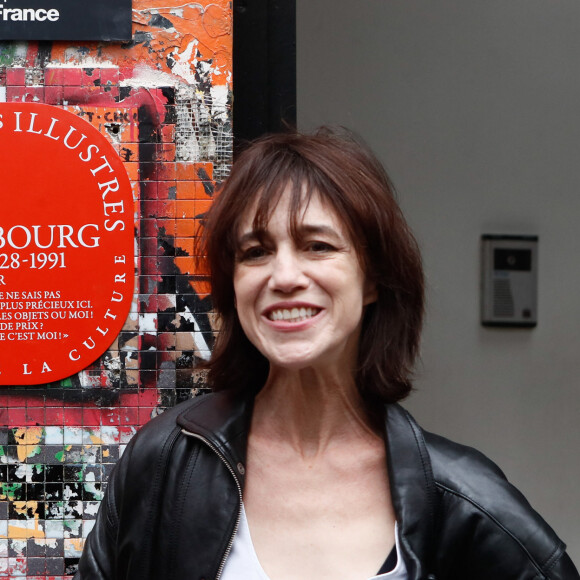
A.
x: 165, y: 423
x: 487, y: 508
x: 157, y: 445
x: 162, y: 426
x: 154, y: 441
x: 214, y: 416
x: 464, y: 469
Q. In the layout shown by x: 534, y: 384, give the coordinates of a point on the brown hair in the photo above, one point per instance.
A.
x: 347, y: 176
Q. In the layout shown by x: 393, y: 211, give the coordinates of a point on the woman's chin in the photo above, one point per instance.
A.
x: 327, y: 362
x: 291, y: 363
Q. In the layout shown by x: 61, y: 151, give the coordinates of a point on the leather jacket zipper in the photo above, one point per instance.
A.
x: 231, y: 470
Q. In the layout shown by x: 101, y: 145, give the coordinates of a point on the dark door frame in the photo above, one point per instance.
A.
x: 264, y: 68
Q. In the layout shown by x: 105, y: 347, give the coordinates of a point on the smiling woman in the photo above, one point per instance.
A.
x: 302, y: 466
x: 332, y: 173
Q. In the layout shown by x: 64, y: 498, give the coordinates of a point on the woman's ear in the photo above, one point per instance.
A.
x: 370, y: 293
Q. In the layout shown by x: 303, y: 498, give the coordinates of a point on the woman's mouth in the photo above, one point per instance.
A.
x: 293, y: 314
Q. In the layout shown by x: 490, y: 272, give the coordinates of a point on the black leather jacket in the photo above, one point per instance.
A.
x: 173, y: 501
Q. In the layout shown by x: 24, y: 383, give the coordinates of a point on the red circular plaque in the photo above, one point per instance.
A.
x: 66, y: 244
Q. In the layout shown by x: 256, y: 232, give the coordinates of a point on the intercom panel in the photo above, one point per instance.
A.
x: 509, y: 280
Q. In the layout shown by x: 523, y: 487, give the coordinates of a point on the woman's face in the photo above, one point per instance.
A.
x: 300, y: 300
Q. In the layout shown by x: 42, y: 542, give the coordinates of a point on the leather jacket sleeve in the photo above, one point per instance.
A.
x: 487, y: 527
x: 485, y: 548
x: 99, y: 553
x: 564, y: 568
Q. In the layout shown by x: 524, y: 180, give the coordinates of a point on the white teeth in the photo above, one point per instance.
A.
x: 294, y: 314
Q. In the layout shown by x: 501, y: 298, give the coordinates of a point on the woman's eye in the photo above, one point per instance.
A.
x: 320, y: 247
x: 253, y: 253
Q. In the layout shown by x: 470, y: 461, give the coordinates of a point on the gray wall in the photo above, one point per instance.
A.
x: 474, y: 107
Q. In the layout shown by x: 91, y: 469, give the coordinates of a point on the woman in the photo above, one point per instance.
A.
x: 301, y: 465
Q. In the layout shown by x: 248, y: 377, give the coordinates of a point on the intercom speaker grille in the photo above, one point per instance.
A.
x: 503, y: 300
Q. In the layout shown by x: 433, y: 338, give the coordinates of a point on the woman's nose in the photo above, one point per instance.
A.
x: 287, y: 272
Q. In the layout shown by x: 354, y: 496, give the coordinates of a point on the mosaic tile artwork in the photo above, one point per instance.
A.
x: 163, y: 100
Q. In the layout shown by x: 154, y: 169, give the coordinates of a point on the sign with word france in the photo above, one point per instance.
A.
x: 66, y: 244
x: 65, y: 20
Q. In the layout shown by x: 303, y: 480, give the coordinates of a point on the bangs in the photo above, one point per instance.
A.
x: 293, y: 177
x: 267, y: 200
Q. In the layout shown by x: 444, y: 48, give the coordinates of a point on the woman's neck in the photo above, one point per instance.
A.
x: 310, y: 411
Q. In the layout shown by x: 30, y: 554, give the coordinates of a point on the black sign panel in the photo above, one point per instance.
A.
x: 512, y: 259
x: 65, y: 20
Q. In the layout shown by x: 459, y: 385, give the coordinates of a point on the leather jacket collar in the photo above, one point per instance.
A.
x: 223, y: 423
x: 412, y: 490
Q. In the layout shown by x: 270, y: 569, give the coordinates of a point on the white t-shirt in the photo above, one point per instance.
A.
x: 243, y: 563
